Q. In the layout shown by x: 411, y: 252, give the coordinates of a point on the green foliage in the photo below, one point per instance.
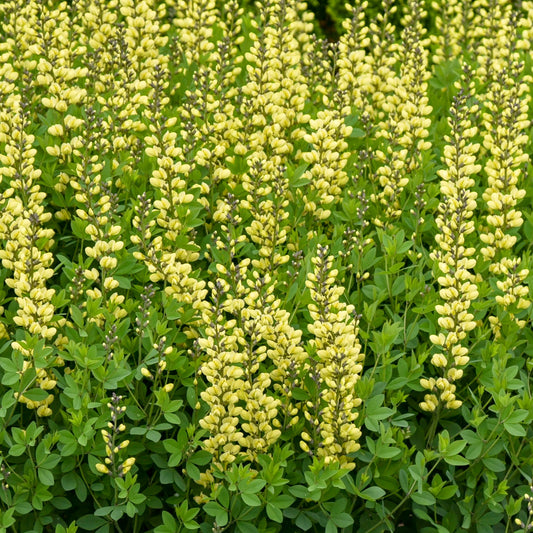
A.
x: 123, y: 448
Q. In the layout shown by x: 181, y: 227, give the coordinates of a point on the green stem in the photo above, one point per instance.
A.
x: 434, y: 424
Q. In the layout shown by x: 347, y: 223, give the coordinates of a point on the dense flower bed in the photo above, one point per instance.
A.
x: 255, y: 281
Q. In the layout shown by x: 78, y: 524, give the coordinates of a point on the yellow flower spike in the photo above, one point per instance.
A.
x: 505, y: 123
x: 408, y: 111
x: 453, y: 259
x: 339, y: 366
x: 27, y: 241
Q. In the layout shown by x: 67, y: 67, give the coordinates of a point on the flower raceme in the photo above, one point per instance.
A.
x: 453, y: 257
x: 28, y: 242
x: 407, y: 126
x: 336, y: 367
x: 505, y: 122
x: 111, y: 465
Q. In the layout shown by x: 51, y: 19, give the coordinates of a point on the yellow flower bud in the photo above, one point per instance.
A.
x: 146, y: 373
x: 56, y: 130
x: 53, y: 150
x: 102, y: 468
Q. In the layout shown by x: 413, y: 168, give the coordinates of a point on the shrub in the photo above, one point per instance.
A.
x: 258, y: 281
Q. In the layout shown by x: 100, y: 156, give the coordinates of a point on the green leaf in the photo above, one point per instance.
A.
x: 455, y: 447
x: 217, y: 511
x: 193, y: 471
x: 61, y: 503
x: 494, y: 464
x: 297, y: 174
x: 78, y: 228
x: 274, y: 513
x: 77, y: 316
x: 448, y: 492
x: 169, y: 524
x: 456, y: 460
x: 166, y: 476
x: 123, y: 282
x: 251, y: 486
x: 384, y: 339
x: 117, y: 513
x: 372, y: 493
x: 423, y: 498
x: 6, y: 519
x: 387, y: 452
x: 23, y: 507
x: 282, y: 501
x: 252, y: 500
x: 45, y: 477
x: 9, y: 366
x: 357, y: 133
x: 51, y: 461
x: 17, y: 450
x: 517, y: 416
x: 89, y: 522
x: 299, y: 491
x: 104, y: 511
x: 172, y: 446
x: 154, y: 436
x: 303, y: 522
x: 68, y: 481
x: 36, y: 395
x: 201, y: 457
x: 331, y: 527
x: 342, y: 519
x: 246, y: 527
x: 300, y: 394
x: 223, y: 497
x: 514, y: 429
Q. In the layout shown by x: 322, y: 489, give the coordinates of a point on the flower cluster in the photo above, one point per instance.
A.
x: 275, y: 94
x: 97, y: 210
x: 453, y: 257
x: 267, y: 202
x: 336, y: 367
x: 505, y: 121
x: 453, y: 20
x: 112, y: 465
x: 242, y: 414
x: 327, y: 159
x: 354, y: 79
x: 406, y: 127
x: 382, y: 60
x: 28, y: 242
